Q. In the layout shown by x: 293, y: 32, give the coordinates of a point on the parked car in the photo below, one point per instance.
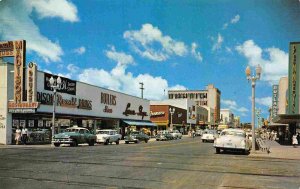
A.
x: 176, y: 134
x: 209, y: 135
x: 136, y: 136
x: 107, y: 136
x: 233, y: 140
x: 164, y: 136
x: 199, y: 132
x: 74, y: 136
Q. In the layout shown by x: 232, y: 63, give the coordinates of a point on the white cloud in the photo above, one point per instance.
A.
x: 21, y: 26
x: 120, y: 80
x: 232, y: 105
x: 234, y: 20
x: 149, y: 42
x: 273, y: 68
x: 81, y: 50
x: 265, y: 101
x: 55, y: 8
x: 196, y: 54
x: 217, y: 42
x: 72, y: 68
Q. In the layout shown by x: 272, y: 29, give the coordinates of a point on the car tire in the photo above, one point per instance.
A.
x: 203, y: 141
x: 74, y: 144
x: 157, y: 140
x: 117, y: 142
x: 218, y: 150
x: 56, y: 144
x: 137, y: 141
x: 146, y: 140
x: 106, y: 142
x: 92, y: 143
x: 126, y: 142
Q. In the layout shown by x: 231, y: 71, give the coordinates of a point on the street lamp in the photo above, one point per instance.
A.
x: 54, y: 85
x: 172, y: 111
x: 253, y: 81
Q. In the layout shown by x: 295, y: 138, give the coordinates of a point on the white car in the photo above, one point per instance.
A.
x: 233, y: 140
x: 209, y: 135
x: 107, y: 136
x: 176, y: 134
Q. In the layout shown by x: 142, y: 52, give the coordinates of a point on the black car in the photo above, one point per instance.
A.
x: 164, y: 136
x: 136, y: 136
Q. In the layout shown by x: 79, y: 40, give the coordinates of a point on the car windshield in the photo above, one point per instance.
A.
x: 72, y: 130
x: 103, y: 132
x: 210, y: 132
x: 233, y: 133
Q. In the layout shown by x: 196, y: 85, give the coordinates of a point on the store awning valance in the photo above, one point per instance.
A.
x: 139, y: 123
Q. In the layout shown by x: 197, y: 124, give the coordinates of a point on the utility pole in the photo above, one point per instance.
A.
x: 142, y: 89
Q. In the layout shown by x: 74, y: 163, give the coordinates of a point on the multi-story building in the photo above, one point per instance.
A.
x: 227, y: 117
x: 282, y: 95
x: 210, y: 97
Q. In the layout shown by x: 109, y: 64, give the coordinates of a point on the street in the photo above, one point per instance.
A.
x: 185, y: 163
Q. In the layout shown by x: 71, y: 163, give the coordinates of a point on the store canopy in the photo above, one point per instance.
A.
x: 139, y: 123
x: 287, y: 118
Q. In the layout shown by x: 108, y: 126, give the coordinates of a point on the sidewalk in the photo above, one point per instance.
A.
x: 279, y: 151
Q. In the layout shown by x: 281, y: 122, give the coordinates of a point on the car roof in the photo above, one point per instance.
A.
x: 105, y: 130
x: 232, y: 129
x: 76, y: 127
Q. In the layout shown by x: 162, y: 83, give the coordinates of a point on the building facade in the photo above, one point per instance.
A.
x: 282, y: 95
x: 227, y: 117
x: 26, y: 100
x: 211, y: 97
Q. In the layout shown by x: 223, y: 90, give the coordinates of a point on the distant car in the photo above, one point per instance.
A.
x: 107, y: 136
x: 232, y: 140
x: 74, y: 136
x: 199, y: 132
x: 209, y: 135
x: 176, y: 134
x: 164, y: 136
x: 136, y: 136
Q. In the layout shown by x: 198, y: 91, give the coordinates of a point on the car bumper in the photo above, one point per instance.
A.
x: 230, y: 147
x: 62, y: 141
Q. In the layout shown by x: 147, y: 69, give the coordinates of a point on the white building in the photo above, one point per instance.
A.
x: 227, y: 117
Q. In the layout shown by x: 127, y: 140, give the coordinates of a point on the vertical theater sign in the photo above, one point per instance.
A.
x: 21, y: 103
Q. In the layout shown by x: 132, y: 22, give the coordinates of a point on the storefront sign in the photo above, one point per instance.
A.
x: 47, y: 99
x: 275, y: 101
x: 107, y: 110
x: 108, y: 99
x: 16, y: 49
x: 25, y: 105
x: 156, y: 114
x: 22, y: 111
x: 67, y: 86
x: 140, y: 112
x: 31, y: 82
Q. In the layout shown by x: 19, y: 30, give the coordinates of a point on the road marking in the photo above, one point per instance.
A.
x: 168, y: 145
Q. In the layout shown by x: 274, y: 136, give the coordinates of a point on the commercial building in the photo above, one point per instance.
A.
x: 227, y: 117
x: 26, y: 100
x: 209, y: 97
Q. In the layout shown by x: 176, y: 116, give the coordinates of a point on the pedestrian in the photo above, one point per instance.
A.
x: 295, y: 141
x: 298, y: 138
x: 18, y: 135
x: 24, y: 135
x: 193, y: 133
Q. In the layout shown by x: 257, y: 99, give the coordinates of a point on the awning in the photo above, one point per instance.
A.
x: 287, y: 118
x: 140, y: 123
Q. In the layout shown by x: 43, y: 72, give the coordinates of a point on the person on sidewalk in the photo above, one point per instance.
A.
x: 18, y: 135
x: 298, y: 138
x: 295, y: 141
x: 24, y: 135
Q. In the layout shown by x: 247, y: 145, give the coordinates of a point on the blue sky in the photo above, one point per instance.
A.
x: 166, y: 44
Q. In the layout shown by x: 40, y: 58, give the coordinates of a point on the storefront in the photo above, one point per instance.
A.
x: 27, y: 101
x: 166, y: 117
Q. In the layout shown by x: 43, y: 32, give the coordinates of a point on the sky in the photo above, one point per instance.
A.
x: 167, y: 45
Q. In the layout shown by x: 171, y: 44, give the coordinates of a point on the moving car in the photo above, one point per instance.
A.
x: 209, y: 135
x: 107, y: 136
x: 74, y: 135
x: 232, y: 140
x: 164, y: 136
x: 176, y: 134
x: 136, y: 136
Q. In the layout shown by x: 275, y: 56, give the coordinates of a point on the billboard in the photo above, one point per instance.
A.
x: 274, y: 101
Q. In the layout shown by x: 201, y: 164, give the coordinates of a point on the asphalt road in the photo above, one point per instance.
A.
x: 185, y: 163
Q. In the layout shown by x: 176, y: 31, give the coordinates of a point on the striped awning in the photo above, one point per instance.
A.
x: 139, y: 123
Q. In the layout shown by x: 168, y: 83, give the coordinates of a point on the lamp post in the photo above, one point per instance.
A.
x: 54, y: 85
x: 253, y: 81
x: 172, y: 111
x: 258, y: 112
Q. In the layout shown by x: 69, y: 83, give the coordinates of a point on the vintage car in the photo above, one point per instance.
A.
x: 198, y: 132
x: 164, y: 136
x: 209, y: 135
x: 176, y: 134
x: 74, y: 136
x: 136, y: 136
x: 232, y: 140
x: 107, y: 136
